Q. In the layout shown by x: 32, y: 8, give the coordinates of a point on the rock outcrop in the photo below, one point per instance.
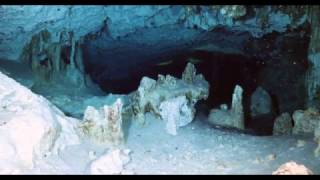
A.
x: 233, y: 117
x: 110, y: 163
x: 104, y: 126
x: 306, y: 121
x: 283, y: 125
x: 181, y: 94
x: 292, y: 168
x: 30, y: 127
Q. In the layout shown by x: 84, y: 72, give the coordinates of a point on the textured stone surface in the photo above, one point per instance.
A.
x: 292, y: 168
x: 110, y: 163
x: 233, y: 117
x: 317, y: 139
x: 152, y: 93
x: 283, y: 125
x: 176, y: 113
x: 305, y: 121
x: 104, y: 126
x: 30, y: 126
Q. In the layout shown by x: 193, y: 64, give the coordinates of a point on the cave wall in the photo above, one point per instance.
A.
x: 118, y: 41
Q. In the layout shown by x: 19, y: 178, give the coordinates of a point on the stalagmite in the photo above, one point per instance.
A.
x: 233, y: 117
x: 181, y: 94
x: 104, y: 126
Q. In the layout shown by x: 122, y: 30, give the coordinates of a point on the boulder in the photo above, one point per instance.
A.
x: 292, y: 168
x: 112, y: 162
x: 30, y: 127
x: 306, y: 121
x: 283, y: 124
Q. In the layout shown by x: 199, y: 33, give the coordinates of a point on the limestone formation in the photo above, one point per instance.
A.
x: 55, y: 61
x: 182, y: 94
x: 283, y: 125
x: 305, y: 121
x: 176, y: 113
x: 261, y: 103
x: 233, y: 117
x: 317, y: 139
x: 104, y: 126
x: 112, y: 162
x: 30, y: 127
x: 292, y: 168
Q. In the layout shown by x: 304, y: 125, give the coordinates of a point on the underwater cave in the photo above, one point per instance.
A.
x: 197, y: 89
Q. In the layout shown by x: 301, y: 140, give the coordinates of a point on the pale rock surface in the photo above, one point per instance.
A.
x: 306, y: 121
x: 283, y: 124
x: 292, y: 168
x: 104, y: 126
x: 176, y: 113
x: 233, y: 117
x: 151, y: 94
x: 30, y: 127
x: 112, y: 162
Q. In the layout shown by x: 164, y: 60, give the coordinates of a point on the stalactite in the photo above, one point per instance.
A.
x: 47, y: 63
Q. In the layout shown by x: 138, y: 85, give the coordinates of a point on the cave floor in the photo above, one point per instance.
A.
x: 197, y: 149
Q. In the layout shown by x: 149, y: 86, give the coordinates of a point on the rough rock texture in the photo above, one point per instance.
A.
x: 21, y: 22
x: 30, y: 127
x: 233, y: 117
x: 104, y: 126
x: 55, y: 61
x: 305, y: 121
x: 317, y: 139
x: 283, y: 125
x: 152, y: 93
x: 112, y: 162
x: 261, y: 103
x: 292, y: 168
x: 176, y: 113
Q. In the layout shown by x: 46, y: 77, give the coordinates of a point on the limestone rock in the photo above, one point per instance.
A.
x: 317, y: 139
x: 169, y: 90
x: 112, y: 162
x: 261, y: 102
x: 283, y: 124
x: 305, y: 121
x: 233, y: 117
x: 176, y: 113
x: 30, y: 127
x: 104, y: 126
x: 292, y: 168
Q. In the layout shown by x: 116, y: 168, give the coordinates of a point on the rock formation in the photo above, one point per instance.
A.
x: 233, y: 117
x: 112, y: 162
x: 104, y: 126
x: 292, y: 168
x: 283, y: 125
x: 176, y: 113
x: 181, y: 95
x: 30, y: 127
x: 305, y: 121
x: 56, y: 62
x: 317, y: 139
